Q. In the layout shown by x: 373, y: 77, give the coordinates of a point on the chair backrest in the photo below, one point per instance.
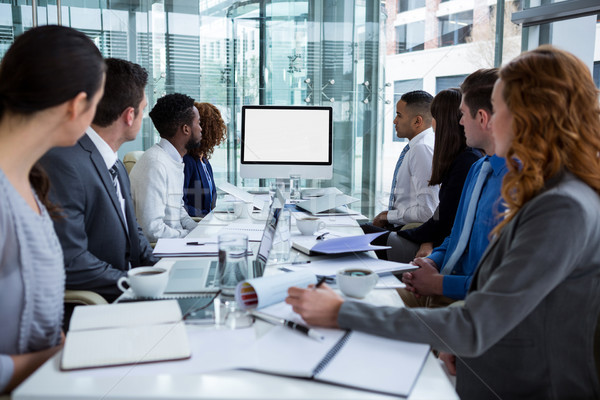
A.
x: 131, y: 158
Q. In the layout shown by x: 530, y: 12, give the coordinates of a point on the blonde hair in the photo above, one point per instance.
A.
x: 556, y: 124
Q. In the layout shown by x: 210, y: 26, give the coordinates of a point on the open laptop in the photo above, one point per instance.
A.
x: 200, y: 275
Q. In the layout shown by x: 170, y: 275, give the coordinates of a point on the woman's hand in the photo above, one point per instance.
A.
x: 317, y: 306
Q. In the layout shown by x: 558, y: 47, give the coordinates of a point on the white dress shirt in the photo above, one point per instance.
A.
x: 414, y: 199
x: 110, y: 158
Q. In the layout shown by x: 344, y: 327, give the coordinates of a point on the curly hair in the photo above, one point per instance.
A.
x: 449, y: 134
x: 556, y: 124
x: 171, y: 112
x: 214, y: 130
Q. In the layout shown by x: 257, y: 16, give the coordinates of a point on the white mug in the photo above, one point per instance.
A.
x: 145, y: 281
x: 309, y: 225
x: 356, y: 282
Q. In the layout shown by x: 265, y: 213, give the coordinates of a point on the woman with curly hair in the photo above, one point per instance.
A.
x: 200, y: 190
x: 527, y: 327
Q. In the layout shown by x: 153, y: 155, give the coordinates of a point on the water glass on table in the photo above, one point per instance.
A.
x: 294, y: 187
x: 233, y: 262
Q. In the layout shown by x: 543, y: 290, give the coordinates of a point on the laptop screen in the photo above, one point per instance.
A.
x: 266, y: 242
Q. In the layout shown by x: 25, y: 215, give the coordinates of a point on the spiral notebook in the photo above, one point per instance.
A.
x: 346, y: 358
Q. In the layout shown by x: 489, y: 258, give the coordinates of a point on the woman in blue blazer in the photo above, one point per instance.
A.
x: 199, y: 188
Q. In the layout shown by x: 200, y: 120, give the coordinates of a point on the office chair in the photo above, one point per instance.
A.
x: 131, y: 158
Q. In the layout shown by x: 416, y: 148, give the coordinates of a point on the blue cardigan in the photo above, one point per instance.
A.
x: 197, y: 196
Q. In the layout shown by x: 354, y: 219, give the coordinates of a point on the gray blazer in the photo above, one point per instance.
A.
x: 93, y: 233
x: 526, y: 330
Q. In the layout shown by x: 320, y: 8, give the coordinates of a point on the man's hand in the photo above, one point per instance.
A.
x: 317, y: 306
x: 381, y: 219
x: 424, y: 281
x: 425, y: 250
x: 449, y: 361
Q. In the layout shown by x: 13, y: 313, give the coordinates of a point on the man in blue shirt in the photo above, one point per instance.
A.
x: 444, y: 277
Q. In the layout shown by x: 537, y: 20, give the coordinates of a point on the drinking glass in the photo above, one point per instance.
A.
x: 233, y: 262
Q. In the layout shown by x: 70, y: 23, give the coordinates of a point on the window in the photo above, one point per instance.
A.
x: 446, y: 82
x: 407, y: 5
x: 455, y: 28
x: 401, y: 87
x: 597, y: 73
x: 410, y: 37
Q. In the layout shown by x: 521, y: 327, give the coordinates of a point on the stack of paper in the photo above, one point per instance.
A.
x: 254, y: 231
x: 348, y: 244
x: 181, y: 247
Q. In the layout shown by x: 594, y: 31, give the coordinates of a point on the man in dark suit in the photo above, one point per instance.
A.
x: 99, y: 234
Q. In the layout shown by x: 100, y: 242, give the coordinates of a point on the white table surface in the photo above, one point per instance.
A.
x: 49, y: 382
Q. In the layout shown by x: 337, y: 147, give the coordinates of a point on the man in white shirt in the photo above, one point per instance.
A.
x: 157, y: 178
x: 98, y: 233
x: 412, y: 200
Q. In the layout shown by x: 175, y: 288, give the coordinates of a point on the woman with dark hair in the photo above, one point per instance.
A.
x: 452, y: 160
x: 528, y: 324
x: 51, y: 80
x: 200, y: 190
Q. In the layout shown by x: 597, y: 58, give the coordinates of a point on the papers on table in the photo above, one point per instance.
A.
x: 241, y: 194
x: 349, y: 244
x: 182, y: 247
x: 325, y: 203
x: 268, y: 290
x: 254, y: 231
x: 329, y: 267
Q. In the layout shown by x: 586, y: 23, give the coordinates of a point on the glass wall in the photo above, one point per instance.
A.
x: 356, y: 56
x: 233, y: 53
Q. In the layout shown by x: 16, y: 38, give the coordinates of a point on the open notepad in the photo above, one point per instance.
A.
x: 346, y: 358
x: 129, y: 333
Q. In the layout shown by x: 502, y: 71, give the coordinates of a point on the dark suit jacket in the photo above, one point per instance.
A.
x: 198, y: 198
x: 97, y: 246
x: 436, y: 228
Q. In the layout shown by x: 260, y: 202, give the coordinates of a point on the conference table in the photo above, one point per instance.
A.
x: 193, y: 380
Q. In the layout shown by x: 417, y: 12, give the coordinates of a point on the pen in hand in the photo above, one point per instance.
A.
x: 321, y: 281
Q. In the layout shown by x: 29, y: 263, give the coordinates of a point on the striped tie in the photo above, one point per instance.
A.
x: 398, y: 164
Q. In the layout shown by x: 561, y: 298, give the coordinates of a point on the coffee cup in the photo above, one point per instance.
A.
x: 356, y: 282
x: 145, y: 281
x: 309, y: 225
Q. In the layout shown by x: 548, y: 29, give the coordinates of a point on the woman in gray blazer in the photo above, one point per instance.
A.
x: 527, y: 327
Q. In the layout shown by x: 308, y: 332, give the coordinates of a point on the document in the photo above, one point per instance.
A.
x: 127, y: 333
x: 257, y: 202
x: 254, y: 231
x: 349, y: 244
x: 324, y: 203
x: 182, y: 247
x: 331, y: 266
x: 267, y: 290
x: 348, y: 358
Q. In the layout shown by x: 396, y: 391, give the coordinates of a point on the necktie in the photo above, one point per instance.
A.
x: 486, y: 168
x: 398, y: 164
x: 115, y: 177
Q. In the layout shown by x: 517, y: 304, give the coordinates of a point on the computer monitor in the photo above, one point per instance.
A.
x: 279, y: 141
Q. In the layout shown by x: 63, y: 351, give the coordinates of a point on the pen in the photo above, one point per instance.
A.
x: 321, y: 281
x: 290, y: 324
x: 198, y: 243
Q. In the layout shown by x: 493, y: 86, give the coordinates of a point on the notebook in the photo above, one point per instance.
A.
x: 200, y: 276
x: 128, y: 333
x: 347, y: 358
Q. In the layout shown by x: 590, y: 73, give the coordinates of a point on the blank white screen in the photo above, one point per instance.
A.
x: 286, y: 135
